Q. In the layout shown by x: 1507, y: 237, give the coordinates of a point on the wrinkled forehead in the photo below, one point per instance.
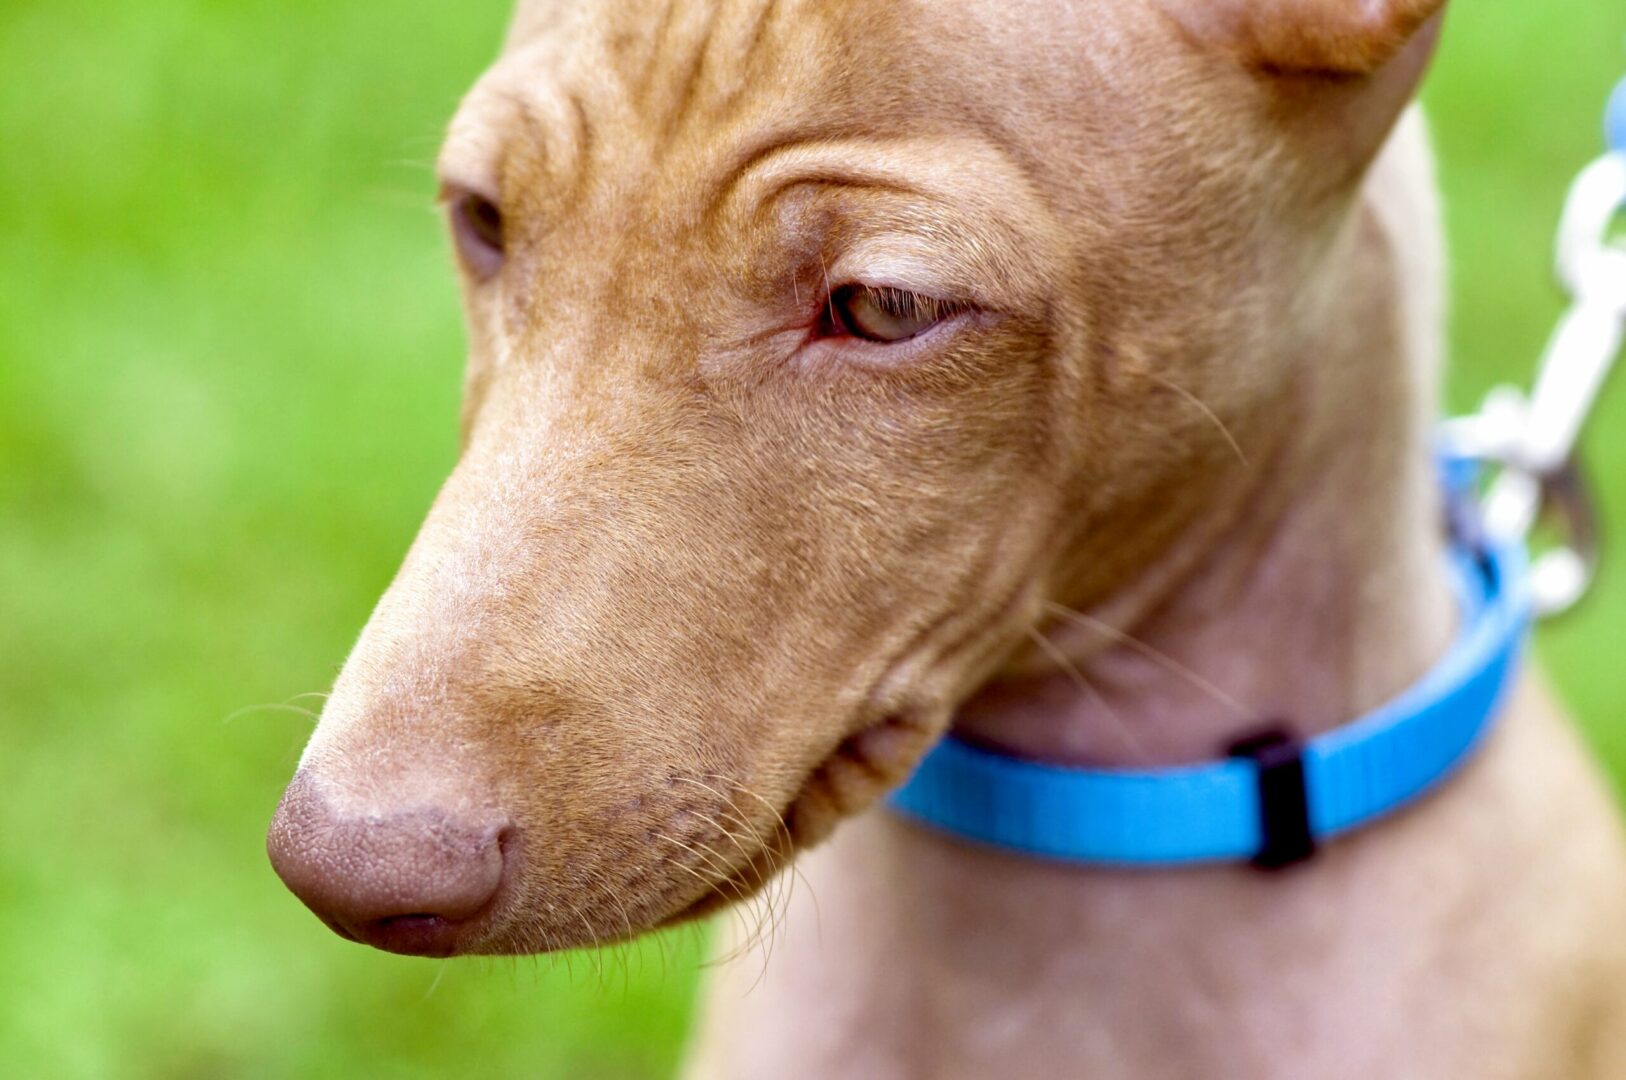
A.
x: 708, y: 52
x: 665, y: 72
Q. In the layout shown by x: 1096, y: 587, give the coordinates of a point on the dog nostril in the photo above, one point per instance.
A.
x: 397, y: 926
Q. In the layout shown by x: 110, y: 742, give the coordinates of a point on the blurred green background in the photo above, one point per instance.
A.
x: 229, y: 366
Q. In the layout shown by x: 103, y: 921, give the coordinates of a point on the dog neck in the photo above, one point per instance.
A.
x: 1311, y: 592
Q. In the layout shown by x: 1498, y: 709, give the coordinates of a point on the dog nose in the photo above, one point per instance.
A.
x: 408, y: 882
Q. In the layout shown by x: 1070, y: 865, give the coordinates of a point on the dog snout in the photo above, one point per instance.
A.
x: 414, y: 881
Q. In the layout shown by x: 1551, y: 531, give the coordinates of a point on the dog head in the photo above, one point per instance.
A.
x: 814, y: 347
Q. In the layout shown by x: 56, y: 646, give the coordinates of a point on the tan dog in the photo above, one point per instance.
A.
x: 825, y: 357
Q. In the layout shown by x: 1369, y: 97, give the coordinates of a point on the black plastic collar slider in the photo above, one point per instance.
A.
x: 1285, y: 836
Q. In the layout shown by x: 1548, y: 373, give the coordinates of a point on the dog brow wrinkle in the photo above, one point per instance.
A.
x: 759, y: 31
x: 711, y: 50
x: 690, y: 74
x: 584, y: 145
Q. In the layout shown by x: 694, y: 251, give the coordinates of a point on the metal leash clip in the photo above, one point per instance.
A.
x: 1531, y: 441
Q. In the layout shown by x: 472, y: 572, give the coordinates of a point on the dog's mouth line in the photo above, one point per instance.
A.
x: 747, y: 880
x: 756, y: 871
x: 764, y: 845
x: 736, y: 887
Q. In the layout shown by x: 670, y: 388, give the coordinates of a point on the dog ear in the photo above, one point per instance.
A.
x: 1336, y: 72
x: 1309, y: 37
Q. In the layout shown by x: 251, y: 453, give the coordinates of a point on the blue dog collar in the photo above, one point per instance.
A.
x: 1275, y: 798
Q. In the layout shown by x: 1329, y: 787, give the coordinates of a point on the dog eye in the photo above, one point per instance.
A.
x: 477, y: 229
x: 885, y: 314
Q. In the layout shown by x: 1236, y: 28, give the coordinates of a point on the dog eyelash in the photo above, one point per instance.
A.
x: 902, y: 304
x: 885, y: 314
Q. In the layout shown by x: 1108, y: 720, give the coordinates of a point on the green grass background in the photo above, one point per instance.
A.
x: 229, y: 364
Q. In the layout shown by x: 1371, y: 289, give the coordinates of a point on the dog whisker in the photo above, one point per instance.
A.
x: 440, y: 973
x: 608, y: 888
x: 596, y: 942
x: 747, y: 899
x: 1202, y: 407
x: 788, y: 856
x: 712, y: 885
x: 779, y: 887
x: 284, y: 706
x: 786, y: 852
x: 762, y: 849
x: 829, y: 293
x: 1151, y: 652
x: 1131, y: 741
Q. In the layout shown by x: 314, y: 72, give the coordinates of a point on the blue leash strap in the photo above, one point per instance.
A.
x: 1217, y: 812
x: 1614, y: 119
